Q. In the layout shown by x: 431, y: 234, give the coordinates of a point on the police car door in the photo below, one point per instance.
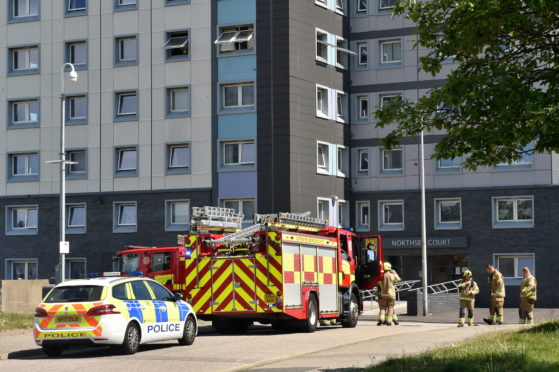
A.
x: 167, y: 312
x: 145, y: 313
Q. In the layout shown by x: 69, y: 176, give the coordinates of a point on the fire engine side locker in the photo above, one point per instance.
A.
x: 233, y: 285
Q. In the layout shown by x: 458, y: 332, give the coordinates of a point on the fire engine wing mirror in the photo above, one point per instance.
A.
x: 177, y: 296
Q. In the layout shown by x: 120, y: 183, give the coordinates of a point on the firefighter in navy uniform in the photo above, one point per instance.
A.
x: 528, y: 288
x: 497, y: 285
x: 468, y: 291
x: 387, y: 296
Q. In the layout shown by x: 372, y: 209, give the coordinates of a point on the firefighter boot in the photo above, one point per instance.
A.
x: 395, y: 320
x: 488, y: 321
x: 379, y: 323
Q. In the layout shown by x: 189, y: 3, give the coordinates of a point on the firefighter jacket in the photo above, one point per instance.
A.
x: 497, y: 284
x: 386, y: 285
x: 468, y: 290
x: 528, y: 287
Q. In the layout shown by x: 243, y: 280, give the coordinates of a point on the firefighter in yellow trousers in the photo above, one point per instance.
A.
x: 387, y: 296
x: 528, y: 288
x: 468, y: 291
x: 497, y: 285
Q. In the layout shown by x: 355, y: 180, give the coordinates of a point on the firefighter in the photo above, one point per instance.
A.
x: 497, y: 285
x: 387, y: 296
x: 468, y: 291
x: 528, y: 288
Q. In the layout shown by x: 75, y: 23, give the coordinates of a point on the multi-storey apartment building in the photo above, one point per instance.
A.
x: 257, y: 105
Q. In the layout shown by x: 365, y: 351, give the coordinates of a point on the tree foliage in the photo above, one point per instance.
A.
x: 502, y: 99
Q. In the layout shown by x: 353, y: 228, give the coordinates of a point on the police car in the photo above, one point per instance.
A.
x: 120, y: 311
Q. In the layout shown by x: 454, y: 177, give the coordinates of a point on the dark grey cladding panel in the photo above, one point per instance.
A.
x: 395, y: 32
x: 374, y: 142
x: 404, y: 85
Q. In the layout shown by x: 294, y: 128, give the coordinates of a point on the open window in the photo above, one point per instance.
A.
x: 177, y: 45
x: 235, y: 39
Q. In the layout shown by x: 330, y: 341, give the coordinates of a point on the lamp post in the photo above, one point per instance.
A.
x: 63, y: 245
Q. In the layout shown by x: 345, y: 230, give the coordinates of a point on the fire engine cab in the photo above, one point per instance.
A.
x: 287, y: 269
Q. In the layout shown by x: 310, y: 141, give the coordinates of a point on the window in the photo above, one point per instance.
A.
x: 161, y: 261
x: 322, y: 161
x: 24, y: 166
x: 391, y: 52
x: 235, y: 39
x: 247, y: 207
x: 452, y: 165
x: 176, y: 2
x: 340, y: 5
x: 78, y: 170
x: 126, y: 106
x: 240, y: 95
x: 76, y: 54
x: 140, y: 290
x: 24, y: 60
x: 323, y: 210
x: 239, y: 153
x: 342, y: 53
x: 178, y: 102
x: 76, y: 110
x: 386, y: 4
x: 511, y: 212
x: 322, y: 101
x: 22, y: 269
x: 22, y: 220
x: 448, y: 214
x: 392, y: 160
x: 125, y: 5
x: 362, y: 54
x: 75, y: 218
x: 361, y: 6
x: 510, y: 265
x: 76, y: 7
x: 127, y: 161
x: 24, y: 113
x: 321, y: 46
x: 177, y: 46
x: 391, y: 215
x: 126, y: 50
x: 24, y: 10
x: 341, y: 106
x: 75, y: 268
x: 178, y: 158
x: 385, y: 99
x: 363, y: 216
x: 523, y: 163
x: 363, y: 158
x: 124, y: 216
x: 177, y: 215
x: 342, y: 161
x: 363, y: 107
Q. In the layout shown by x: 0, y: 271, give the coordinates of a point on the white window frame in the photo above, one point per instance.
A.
x: 27, y: 65
x: 452, y: 166
x: 172, y: 100
x: 360, y: 153
x: 69, y: 207
x: 383, y: 97
x: 13, y: 210
x: 119, y: 227
x: 120, y: 152
x: 447, y: 225
x: 515, y: 256
x: 174, y: 41
x: 234, y: 43
x: 170, y: 160
x: 240, y: 145
x: 70, y: 168
x: 239, y: 95
x: 382, y: 43
x: 28, y: 9
x: 323, y: 201
x: 240, y: 202
x: 27, y: 104
x: 342, y: 53
x: 362, y: 45
x: 381, y: 7
x: 382, y: 160
x: 360, y: 100
x: 359, y: 8
x: 68, y: 269
x: 515, y: 222
x: 71, y: 101
x: 325, y: 167
x: 390, y: 226
x: 120, y: 41
x: 69, y: 8
x: 121, y: 95
x: 28, y: 170
x: 363, y: 224
x: 343, y: 213
x: 322, y: 105
x: 342, y: 164
x: 71, y: 52
x: 169, y: 207
x: 341, y: 100
x: 26, y: 261
x: 340, y: 6
x: 323, y: 42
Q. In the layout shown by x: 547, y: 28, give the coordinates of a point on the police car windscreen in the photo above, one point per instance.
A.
x: 83, y: 293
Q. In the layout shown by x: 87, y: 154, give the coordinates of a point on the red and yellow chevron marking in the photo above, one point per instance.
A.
x: 222, y: 284
x: 190, y: 246
x: 73, y: 309
x: 245, y: 284
x: 198, y: 285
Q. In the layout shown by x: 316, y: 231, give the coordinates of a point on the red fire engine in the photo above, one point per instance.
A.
x: 286, y: 269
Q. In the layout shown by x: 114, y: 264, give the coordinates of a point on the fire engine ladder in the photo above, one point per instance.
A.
x: 212, y: 218
x: 369, y: 294
x: 446, y: 287
x: 240, y: 236
x: 299, y: 221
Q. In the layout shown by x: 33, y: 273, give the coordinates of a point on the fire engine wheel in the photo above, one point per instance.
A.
x: 52, y: 350
x: 353, y: 316
x: 311, y: 322
x: 189, y: 333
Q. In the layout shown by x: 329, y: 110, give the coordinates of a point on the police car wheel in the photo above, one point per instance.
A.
x: 189, y: 333
x: 52, y: 351
x: 131, y: 341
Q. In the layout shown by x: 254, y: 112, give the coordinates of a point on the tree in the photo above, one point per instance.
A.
x: 502, y: 100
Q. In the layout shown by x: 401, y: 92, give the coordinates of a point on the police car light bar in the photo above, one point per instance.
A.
x: 108, y: 274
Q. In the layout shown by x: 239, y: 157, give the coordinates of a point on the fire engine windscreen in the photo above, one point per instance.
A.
x: 130, y: 262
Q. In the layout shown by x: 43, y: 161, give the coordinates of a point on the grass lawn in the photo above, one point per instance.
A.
x: 15, y: 321
x: 532, y: 349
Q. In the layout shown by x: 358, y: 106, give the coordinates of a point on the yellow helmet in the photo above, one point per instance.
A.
x: 387, y: 266
x: 467, y: 273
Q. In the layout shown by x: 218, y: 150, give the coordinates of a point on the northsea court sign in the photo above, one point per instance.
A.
x: 432, y: 242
